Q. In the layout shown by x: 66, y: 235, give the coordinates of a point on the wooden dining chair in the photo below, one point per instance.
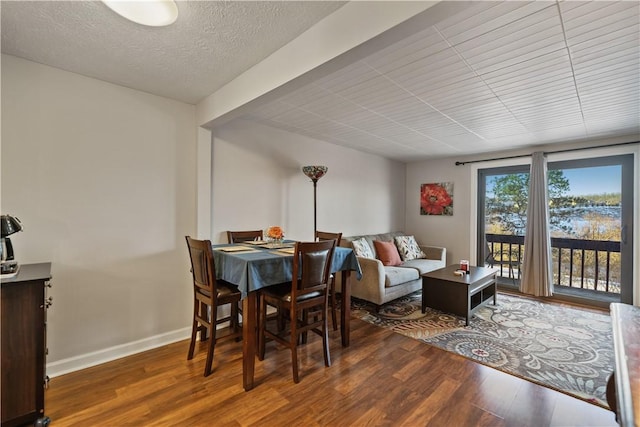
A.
x: 305, y: 298
x: 244, y: 236
x: 333, y: 304
x: 208, y: 295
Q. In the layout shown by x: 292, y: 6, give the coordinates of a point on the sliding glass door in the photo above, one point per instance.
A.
x: 591, y: 244
x: 591, y: 209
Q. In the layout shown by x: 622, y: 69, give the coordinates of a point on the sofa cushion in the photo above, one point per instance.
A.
x: 387, y: 253
x: 370, y: 238
x: 362, y: 248
x: 394, y: 276
x: 423, y: 265
x: 408, y: 248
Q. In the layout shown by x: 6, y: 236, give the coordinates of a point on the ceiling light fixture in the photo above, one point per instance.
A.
x: 154, y: 13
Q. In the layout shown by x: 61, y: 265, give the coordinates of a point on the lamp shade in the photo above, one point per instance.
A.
x: 10, y: 225
x: 314, y: 172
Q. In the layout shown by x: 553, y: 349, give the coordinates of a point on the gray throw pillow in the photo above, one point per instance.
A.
x: 408, y: 248
x: 362, y: 248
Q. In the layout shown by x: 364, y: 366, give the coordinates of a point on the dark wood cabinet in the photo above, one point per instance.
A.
x: 24, y: 304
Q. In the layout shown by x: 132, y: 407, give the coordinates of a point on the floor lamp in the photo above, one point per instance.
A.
x: 315, y: 173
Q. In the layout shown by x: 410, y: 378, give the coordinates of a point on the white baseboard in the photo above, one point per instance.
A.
x: 83, y: 361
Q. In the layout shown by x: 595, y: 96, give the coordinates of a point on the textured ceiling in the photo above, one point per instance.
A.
x: 496, y: 76
x: 210, y: 43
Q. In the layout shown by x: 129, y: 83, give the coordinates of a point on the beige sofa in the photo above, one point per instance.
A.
x: 381, y: 284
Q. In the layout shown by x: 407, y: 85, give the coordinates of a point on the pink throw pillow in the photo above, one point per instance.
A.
x: 387, y: 253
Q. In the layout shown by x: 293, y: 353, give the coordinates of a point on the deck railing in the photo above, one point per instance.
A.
x: 577, y: 263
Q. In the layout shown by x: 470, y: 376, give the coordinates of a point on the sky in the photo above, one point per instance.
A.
x: 590, y: 180
x: 594, y: 180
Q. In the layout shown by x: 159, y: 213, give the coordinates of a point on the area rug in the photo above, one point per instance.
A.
x: 557, y: 346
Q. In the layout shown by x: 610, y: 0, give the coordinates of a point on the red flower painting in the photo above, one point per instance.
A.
x: 436, y: 199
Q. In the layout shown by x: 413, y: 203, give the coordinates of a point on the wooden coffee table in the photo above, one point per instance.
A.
x: 460, y: 295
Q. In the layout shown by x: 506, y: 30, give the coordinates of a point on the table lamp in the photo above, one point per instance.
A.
x: 315, y: 173
x: 9, y: 225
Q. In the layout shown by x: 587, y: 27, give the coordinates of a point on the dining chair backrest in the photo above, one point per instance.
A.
x: 333, y: 302
x: 311, y: 265
x: 208, y: 295
x: 202, y: 266
x: 244, y: 236
x: 304, y: 301
x: 325, y: 235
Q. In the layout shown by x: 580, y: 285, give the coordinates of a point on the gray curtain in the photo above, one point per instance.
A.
x: 536, y: 268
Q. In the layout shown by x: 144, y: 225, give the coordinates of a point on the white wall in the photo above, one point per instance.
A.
x: 258, y: 182
x: 451, y: 232
x: 104, y: 181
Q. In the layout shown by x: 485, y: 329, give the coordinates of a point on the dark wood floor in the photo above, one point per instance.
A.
x: 383, y: 379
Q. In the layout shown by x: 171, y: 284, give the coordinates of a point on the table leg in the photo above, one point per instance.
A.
x: 468, y: 306
x: 345, y: 308
x: 495, y: 289
x: 424, y: 292
x: 249, y: 325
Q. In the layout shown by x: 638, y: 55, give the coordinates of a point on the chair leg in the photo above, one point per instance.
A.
x: 294, y: 363
x: 262, y: 324
x: 194, y: 337
x: 280, y: 319
x: 305, y: 320
x: 325, y: 341
x: 209, y: 362
x: 212, y: 345
x: 204, y: 314
x: 293, y: 345
x: 235, y: 320
x: 233, y: 316
x: 334, y: 304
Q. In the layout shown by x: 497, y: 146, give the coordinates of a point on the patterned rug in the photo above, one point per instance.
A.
x: 557, y: 346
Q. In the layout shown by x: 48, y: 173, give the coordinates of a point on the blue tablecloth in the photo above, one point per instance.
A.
x: 254, y: 270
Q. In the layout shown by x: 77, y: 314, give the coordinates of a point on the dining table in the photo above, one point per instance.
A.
x: 254, y: 265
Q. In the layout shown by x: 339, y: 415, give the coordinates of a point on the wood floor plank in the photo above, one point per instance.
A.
x: 499, y: 390
x: 432, y: 403
x: 372, y: 417
x: 382, y: 379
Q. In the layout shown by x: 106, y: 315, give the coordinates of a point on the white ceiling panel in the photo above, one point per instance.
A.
x: 347, y: 77
x: 500, y: 75
x: 485, y: 17
x: 545, y: 22
x: 528, y: 80
x: 424, y: 44
x: 587, y: 17
x: 442, y: 68
x: 552, y: 62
